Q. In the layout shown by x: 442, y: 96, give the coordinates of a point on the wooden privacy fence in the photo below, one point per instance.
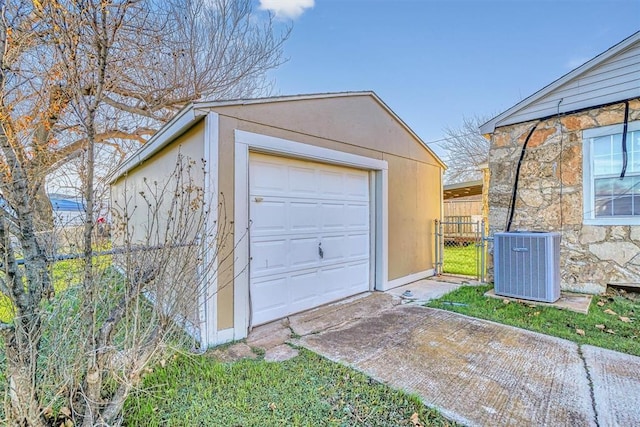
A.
x: 454, y: 208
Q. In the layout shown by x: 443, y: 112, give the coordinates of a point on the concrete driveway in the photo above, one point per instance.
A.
x: 476, y: 372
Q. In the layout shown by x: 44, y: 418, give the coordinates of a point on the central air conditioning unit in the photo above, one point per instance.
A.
x: 527, y: 265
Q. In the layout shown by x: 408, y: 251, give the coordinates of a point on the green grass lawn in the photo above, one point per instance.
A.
x: 64, y: 273
x: 460, y: 260
x: 307, y: 390
x: 600, y: 328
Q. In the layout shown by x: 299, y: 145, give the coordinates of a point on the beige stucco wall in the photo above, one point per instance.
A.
x: 414, y: 193
x: 157, y: 171
x: 125, y: 193
x: 354, y: 124
x: 357, y: 125
x: 550, y: 197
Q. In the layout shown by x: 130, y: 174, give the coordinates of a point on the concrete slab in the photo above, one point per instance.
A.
x: 568, y: 301
x: 423, y: 291
x: 338, y: 314
x: 464, y: 280
x: 280, y: 353
x: 270, y: 335
x: 616, y: 385
x: 233, y: 353
x: 476, y: 372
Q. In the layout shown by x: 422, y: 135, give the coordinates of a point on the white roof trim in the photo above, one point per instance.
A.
x: 183, y: 120
x: 490, y: 126
x: 302, y: 97
x: 192, y: 113
x: 283, y: 98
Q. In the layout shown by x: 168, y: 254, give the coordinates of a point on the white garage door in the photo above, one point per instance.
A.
x: 309, y: 235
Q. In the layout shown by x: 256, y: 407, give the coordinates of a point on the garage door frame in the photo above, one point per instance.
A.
x: 248, y: 141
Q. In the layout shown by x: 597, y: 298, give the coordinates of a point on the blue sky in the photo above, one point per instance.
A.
x: 435, y: 61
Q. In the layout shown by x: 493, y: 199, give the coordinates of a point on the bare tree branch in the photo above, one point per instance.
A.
x: 466, y: 150
x: 80, y: 84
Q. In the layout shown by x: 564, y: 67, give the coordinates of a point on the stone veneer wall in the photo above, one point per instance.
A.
x: 591, y: 256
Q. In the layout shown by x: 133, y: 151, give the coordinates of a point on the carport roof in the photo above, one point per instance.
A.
x: 194, y: 112
x: 462, y: 189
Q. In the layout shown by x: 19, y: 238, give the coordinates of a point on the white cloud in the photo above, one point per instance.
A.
x: 575, y: 62
x: 286, y: 8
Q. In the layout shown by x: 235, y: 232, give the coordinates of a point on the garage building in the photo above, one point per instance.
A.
x: 327, y: 196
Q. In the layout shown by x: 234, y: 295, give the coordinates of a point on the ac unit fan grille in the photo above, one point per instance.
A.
x: 527, y: 265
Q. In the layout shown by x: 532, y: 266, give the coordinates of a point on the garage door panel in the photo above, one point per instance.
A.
x: 304, y: 216
x: 281, y: 295
x: 302, y: 181
x: 308, y: 206
x: 333, y: 249
x: 357, y: 245
x: 357, y: 186
x: 303, y: 252
x: 304, y: 288
x: 357, y: 271
x: 333, y: 279
x: 268, y: 217
x: 357, y: 215
x: 269, y: 257
x: 273, y: 303
x: 267, y: 291
x: 269, y: 178
x: 344, y: 280
x: 332, y: 216
x: 331, y: 184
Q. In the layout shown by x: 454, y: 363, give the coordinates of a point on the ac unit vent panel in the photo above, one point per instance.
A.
x: 527, y: 265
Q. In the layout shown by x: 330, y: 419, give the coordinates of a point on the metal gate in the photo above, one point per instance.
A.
x: 461, y: 247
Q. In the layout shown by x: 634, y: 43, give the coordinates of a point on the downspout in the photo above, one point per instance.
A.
x: 624, y: 140
x: 514, y: 193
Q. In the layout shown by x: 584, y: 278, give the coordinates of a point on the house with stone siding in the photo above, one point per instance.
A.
x: 567, y: 159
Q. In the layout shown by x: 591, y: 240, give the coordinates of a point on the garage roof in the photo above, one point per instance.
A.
x: 194, y: 112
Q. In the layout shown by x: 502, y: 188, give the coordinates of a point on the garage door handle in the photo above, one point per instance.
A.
x: 320, y: 251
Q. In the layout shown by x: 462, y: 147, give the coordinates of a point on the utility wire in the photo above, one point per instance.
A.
x: 435, y: 141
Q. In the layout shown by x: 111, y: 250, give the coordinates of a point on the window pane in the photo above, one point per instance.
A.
x: 602, y: 165
x: 602, y: 146
x: 623, y: 205
x: 607, y: 165
x: 616, y: 165
x: 617, y: 197
x: 616, y: 144
x: 603, y: 187
x: 607, y: 155
x: 634, y: 137
x: 603, y: 206
x: 633, y: 142
x: 635, y: 193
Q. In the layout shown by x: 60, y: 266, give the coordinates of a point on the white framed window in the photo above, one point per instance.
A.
x: 608, y: 198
